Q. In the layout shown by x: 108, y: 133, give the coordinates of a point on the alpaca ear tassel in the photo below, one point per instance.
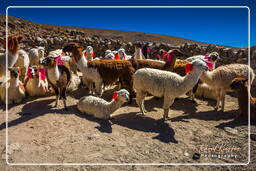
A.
x: 115, y: 95
x: 189, y: 68
x: 117, y: 56
x: 169, y: 57
x: 29, y: 75
x: 93, y: 54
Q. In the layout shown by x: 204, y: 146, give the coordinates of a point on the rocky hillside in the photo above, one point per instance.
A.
x: 53, y: 37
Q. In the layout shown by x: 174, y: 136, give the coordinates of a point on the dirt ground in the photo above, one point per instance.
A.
x: 38, y: 133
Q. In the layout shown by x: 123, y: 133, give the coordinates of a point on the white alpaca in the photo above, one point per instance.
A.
x: 22, y: 63
x: 100, y: 108
x: 165, y: 84
x: 122, y: 55
x: 109, y: 55
x: 138, y: 53
x: 89, y: 53
x: 36, y: 84
x: 221, y: 78
x: 35, y: 54
x: 16, y: 90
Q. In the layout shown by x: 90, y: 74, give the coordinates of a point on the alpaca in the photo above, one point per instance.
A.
x: 59, y: 76
x: 102, y: 72
x: 122, y: 55
x: 165, y: 84
x: 13, y: 47
x: 22, y: 63
x: 16, y: 90
x: 221, y: 78
x: 240, y: 86
x: 36, y: 83
x: 89, y: 53
x: 100, y: 108
x: 35, y: 54
x: 138, y: 52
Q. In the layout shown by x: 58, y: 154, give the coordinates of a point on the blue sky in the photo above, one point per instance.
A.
x: 219, y: 26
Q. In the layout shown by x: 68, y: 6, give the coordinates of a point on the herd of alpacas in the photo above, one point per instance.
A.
x: 64, y: 70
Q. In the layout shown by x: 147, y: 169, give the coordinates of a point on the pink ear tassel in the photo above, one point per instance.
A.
x: 29, y: 75
x: 169, y: 57
x: 42, y: 74
x: 59, y: 60
x: 210, y: 65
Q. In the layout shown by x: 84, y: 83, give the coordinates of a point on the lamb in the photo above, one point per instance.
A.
x: 36, y: 83
x: 23, y: 63
x: 102, y: 72
x: 35, y: 54
x: 59, y: 76
x: 165, y: 84
x: 16, y: 90
x: 13, y: 47
x: 100, y: 108
x: 240, y: 85
x: 221, y: 78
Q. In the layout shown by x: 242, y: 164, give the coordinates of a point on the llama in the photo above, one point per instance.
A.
x: 165, y: 84
x: 100, y: 108
x: 59, y: 76
x: 89, y: 53
x: 138, y: 52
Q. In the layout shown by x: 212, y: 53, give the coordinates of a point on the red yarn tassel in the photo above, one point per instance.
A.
x: 115, y: 95
x: 189, y: 68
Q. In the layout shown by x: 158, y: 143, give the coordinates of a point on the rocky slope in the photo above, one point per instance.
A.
x: 53, y: 37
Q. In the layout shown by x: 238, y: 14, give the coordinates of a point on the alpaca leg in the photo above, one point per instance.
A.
x: 64, y: 98
x: 139, y: 100
x: 223, y: 93
x: 98, y: 87
x: 218, y: 94
x: 167, y: 103
x: 57, y: 93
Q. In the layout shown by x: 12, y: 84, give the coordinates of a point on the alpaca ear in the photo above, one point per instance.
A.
x: 19, y: 38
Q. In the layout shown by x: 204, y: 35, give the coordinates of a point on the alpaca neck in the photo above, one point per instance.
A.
x: 191, y: 79
x: 169, y: 65
x: 80, y: 59
x: 113, y: 106
x: 54, y: 74
x: 12, y: 58
x: 14, y: 81
x: 138, y: 54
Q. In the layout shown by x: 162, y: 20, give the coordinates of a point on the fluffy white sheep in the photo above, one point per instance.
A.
x: 165, y: 84
x: 16, y: 90
x: 36, y: 83
x: 221, y: 78
x: 100, y: 108
x: 23, y: 63
x: 35, y: 54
